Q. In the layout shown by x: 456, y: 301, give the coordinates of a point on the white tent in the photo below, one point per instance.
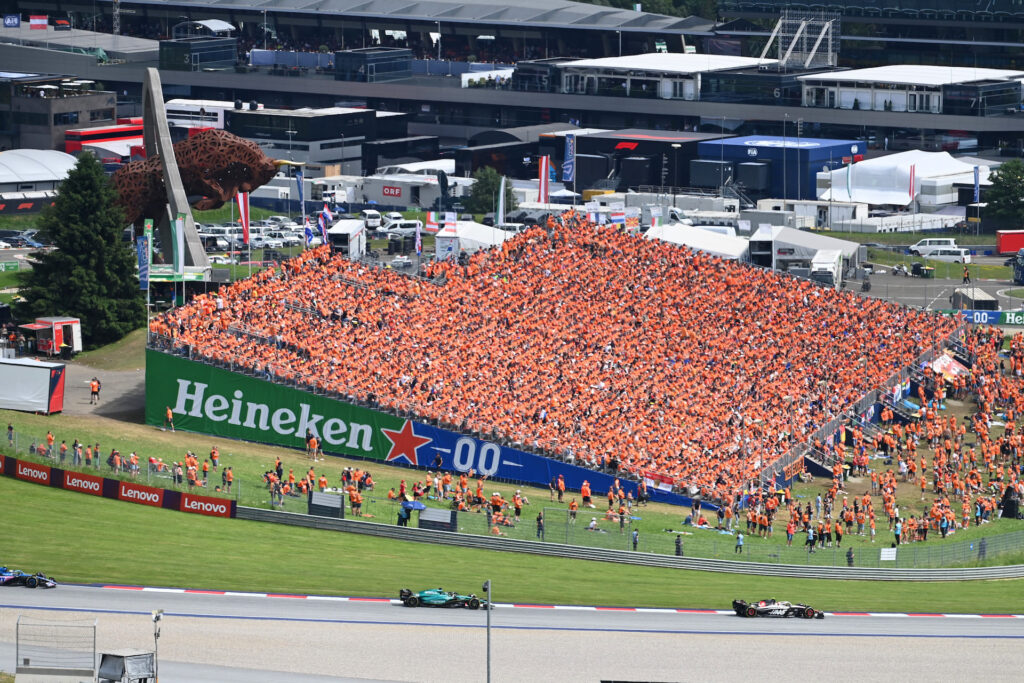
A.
x: 467, y: 236
x: 724, y: 246
x: 887, y: 180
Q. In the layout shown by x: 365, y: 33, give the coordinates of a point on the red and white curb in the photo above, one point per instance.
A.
x: 581, y: 608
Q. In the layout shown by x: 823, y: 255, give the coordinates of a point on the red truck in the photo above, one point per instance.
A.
x: 1009, y: 241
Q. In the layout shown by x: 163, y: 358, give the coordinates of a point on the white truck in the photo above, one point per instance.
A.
x: 827, y: 267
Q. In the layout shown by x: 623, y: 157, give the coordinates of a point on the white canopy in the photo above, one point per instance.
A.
x: 724, y: 246
x: 887, y: 180
x: 468, y: 236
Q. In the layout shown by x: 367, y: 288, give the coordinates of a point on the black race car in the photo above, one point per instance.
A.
x: 774, y: 608
x: 16, y: 577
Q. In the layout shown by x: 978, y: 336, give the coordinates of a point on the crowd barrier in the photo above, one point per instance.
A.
x: 628, y: 557
x: 116, y: 489
x: 212, y: 400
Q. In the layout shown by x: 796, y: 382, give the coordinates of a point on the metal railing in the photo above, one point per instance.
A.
x: 620, y: 555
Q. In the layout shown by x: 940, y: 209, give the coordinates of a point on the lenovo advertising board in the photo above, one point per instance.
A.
x: 205, y: 505
x: 84, y: 483
x: 137, y: 493
x: 29, y: 471
x: 211, y: 400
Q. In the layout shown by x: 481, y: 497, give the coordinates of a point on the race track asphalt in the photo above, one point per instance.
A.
x: 245, y: 638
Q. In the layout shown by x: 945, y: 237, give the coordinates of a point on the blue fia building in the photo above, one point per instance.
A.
x: 771, y: 166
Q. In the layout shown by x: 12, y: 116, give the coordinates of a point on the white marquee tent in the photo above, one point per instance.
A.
x: 724, y: 246
x: 887, y: 180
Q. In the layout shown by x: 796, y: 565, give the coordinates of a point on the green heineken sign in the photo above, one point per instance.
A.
x: 214, y: 401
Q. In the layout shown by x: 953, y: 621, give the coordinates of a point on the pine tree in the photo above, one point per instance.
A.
x: 91, y: 274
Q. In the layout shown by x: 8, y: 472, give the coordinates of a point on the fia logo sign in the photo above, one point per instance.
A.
x: 12, y: 20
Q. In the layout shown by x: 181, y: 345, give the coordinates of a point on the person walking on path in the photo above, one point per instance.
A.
x: 967, y: 275
x: 739, y: 543
x: 540, y: 525
x: 94, y: 391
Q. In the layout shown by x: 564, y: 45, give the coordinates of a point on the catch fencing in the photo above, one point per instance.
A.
x: 630, y: 557
x: 55, y: 648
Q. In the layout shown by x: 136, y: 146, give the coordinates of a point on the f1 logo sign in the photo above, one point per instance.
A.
x: 627, y: 145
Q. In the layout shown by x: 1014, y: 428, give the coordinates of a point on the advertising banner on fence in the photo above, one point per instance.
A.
x: 29, y: 471
x: 84, y: 483
x: 1013, y: 318
x: 215, y: 401
x: 137, y: 493
x: 204, y: 505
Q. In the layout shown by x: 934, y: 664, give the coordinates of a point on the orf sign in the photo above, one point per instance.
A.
x: 85, y: 483
x: 146, y: 495
x: 204, y: 505
x: 392, y: 191
x: 29, y: 471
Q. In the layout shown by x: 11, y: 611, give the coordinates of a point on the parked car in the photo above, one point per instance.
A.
x: 392, y: 216
x: 952, y: 255
x: 403, y: 228
x: 261, y: 242
x: 287, y: 238
x: 927, y: 246
x: 4, y: 245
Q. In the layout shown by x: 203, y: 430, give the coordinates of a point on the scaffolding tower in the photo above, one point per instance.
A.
x: 805, y: 40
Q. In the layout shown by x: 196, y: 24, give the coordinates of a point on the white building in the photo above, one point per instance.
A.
x: 896, y: 87
x: 658, y: 75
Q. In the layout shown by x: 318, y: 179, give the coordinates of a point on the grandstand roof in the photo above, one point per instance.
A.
x: 79, y: 39
x: 34, y: 165
x: 534, y: 13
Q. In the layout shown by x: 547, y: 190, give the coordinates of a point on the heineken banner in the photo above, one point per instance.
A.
x: 1011, y: 318
x: 215, y: 401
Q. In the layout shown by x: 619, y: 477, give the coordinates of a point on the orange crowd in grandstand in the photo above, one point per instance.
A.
x: 578, y: 339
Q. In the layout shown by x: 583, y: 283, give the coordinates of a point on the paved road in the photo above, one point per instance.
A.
x: 255, y: 638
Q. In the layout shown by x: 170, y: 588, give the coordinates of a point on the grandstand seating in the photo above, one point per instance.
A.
x: 582, y: 340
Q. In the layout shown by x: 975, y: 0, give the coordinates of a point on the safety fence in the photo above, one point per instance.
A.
x: 35, y: 448
x: 116, y: 489
x: 629, y: 557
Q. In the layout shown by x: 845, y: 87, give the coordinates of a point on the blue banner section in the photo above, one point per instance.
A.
x: 142, y: 251
x: 569, y: 165
x: 464, y: 453
x: 12, y: 21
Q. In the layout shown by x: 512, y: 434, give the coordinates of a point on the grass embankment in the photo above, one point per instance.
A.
x: 193, y: 551
x: 250, y: 461
x: 945, y: 270
x: 127, y: 354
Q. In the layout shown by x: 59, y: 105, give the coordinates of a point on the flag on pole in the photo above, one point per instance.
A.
x: 419, y: 240
x: 325, y: 223
x: 431, y: 223
x: 179, y: 244
x: 913, y: 169
x: 298, y: 183
x: 309, y: 232
x: 242, y: 198
x: 500, y: 218
x: 544, y: 170
x: 569, y: 165
x: 849, y: 180
x: 450, y: 219
x: 38, y: 22
x: 977, y: 185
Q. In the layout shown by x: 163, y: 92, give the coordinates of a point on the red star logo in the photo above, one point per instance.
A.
x: 404, y: 443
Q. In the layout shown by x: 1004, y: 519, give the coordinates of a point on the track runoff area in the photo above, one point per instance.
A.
x: 260, y: 636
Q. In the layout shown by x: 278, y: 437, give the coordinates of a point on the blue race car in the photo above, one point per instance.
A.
x: 437, y: 597
x: 16, y: 577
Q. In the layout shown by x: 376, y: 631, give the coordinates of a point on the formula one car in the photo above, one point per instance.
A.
x: 16, y: 577
x: 439, y: 598
x: 774, y: 608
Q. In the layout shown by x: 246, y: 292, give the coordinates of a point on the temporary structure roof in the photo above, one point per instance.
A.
x: 886, y: 180
x: 724, y: 246
x: 915, y: 74
x: 669, y: 62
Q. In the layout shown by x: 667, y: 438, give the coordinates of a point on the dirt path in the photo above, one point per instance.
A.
x: 122, y: 397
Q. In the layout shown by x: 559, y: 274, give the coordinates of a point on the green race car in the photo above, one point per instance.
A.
x: 438, y: 597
